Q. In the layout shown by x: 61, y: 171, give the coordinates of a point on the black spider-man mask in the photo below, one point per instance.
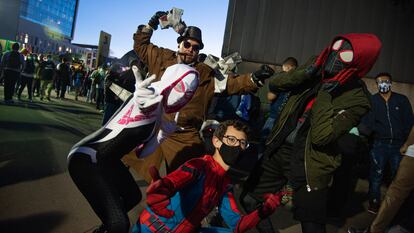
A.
x: 339, y: 58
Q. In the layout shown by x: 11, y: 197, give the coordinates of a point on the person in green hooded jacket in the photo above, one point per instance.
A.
x: 327, y: 99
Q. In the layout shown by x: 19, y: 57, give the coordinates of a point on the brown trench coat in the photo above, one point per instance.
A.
x: 186, y: 144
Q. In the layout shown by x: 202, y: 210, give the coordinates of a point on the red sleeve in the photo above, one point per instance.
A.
x: 187, y: 173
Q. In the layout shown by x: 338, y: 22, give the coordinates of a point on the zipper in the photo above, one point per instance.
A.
x: 389, y: 121
x: 308, y: 187
x: 290, y: 110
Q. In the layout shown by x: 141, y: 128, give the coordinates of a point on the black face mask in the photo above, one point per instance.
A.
x: 230, y: 154
x: 244, y: 164
x: 334, y: 62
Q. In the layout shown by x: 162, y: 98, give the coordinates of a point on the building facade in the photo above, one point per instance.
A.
x: 268, y: 31
x: 42, y: 26
x: 90, y: 56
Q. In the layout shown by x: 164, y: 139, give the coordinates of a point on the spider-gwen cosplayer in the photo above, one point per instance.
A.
x: 95, y: 162
x: 180, y: 201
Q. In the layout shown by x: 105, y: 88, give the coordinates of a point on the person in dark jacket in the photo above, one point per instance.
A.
x: 327, y: 99
x: 12, y: 63
x: 78, y: 77
x: 125, y: 80
x: 277, y: 100
x: 27, y: 76
x: 390, y: 121
x: 112, y: 101
x: 63, y: 74
x: 400, y: 194
x: 36, y: 80
x: 47, y: 73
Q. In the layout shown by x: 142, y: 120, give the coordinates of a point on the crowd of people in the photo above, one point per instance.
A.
x: 321, y: 124
x: 45, y: 78
x: 322, y: 121
x: 40, y: 75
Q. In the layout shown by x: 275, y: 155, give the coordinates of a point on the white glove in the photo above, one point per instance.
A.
x: 145, y: 98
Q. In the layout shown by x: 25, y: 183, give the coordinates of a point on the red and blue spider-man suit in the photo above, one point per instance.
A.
x: 179, y: 201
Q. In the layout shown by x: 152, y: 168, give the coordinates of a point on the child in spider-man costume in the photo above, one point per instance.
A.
x: 179, y: 201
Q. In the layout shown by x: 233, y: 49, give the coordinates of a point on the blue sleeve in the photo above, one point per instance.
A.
x: 229, y: 211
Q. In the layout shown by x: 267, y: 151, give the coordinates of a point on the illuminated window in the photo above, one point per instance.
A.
x: 57, y: 15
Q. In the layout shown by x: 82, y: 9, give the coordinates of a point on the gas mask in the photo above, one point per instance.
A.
x: 177, y: 86
x: 340, y: 57
x: 384, y: 86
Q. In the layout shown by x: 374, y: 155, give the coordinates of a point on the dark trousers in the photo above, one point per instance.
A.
x: 26, y: 81
x: 381, y: 154
x: 344, y: 182
x: 10, y: 79
x: 61, y: 89
x: 269, y: 176
x: 36, y: 86
x: 18, y: 84
x: 99, y: 98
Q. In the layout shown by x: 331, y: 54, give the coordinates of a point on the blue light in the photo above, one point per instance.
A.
x: 57, y: 15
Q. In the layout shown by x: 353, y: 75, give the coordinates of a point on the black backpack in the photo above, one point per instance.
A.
x: 29, y: 67
x: 14, y: 60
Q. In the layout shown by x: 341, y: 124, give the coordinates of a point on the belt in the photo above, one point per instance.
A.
x: 154, y: 223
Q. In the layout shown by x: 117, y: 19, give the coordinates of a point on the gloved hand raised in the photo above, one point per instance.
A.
x: 144, y: 97
x: 272, y: 201
x: 154, y: 21
x: 159, y: 193
x: 315, y: 68
x: 259, y: 76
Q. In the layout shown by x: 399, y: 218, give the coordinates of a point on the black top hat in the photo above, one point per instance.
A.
x: 191, y: 32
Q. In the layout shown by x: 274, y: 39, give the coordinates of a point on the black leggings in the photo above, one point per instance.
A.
x: 109, y: 188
